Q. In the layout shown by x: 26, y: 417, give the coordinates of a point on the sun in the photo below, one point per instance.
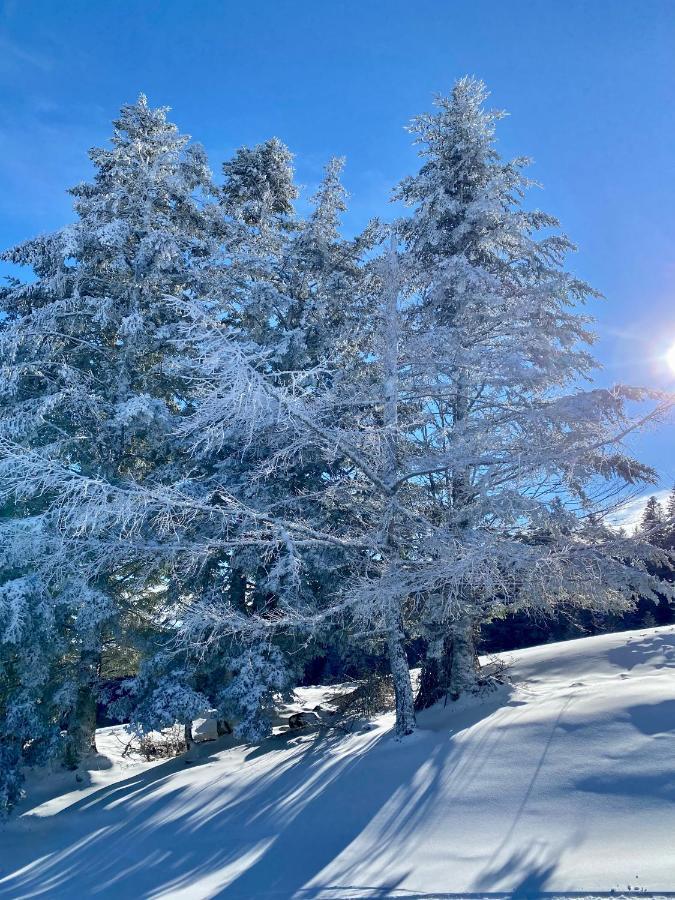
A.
x: 670, y: 357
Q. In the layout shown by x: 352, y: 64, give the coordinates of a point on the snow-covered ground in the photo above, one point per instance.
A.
x: 566, y: 783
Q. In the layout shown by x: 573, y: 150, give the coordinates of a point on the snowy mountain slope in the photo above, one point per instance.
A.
x: 564, y: 784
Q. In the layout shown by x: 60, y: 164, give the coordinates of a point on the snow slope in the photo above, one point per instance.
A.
x: 566, y: 783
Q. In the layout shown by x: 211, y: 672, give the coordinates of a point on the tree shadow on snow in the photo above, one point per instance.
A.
x: 653, y: 718
x: 531, y: 869
x: 170, y: 827
x: 655, y: 650
x: 655, y: 721
x: 275, y: 829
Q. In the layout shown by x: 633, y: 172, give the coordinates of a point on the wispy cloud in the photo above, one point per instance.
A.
x: 15, y: 57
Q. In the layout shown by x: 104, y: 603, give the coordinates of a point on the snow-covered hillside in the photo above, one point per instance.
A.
x: 564, y: 784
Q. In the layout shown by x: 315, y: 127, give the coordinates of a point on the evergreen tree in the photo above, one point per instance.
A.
x: 390, y: 444
x: 297, y: 286
x: 653, y: 522
x: 85, y: 382
x: 287, y: 296
x: 496, y: 341
x: 469, y: 481
x: 669, y: 516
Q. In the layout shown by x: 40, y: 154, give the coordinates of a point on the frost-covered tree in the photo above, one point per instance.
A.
x: 396, y: 445
x: 296, y: 286
x: 511, y: 453
x: 653, y: 522
x: 85, y: 383
x: 669, y: 514
x: 287, y: 298
x: 472, y: 471
x: 670, y: 507
x: 49, y: 644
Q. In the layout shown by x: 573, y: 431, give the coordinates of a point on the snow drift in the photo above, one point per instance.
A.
x: 564, y: 783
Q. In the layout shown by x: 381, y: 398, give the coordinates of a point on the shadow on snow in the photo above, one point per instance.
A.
x: 275, y: 829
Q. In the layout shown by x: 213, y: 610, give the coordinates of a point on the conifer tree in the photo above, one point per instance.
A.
x: 653, y: 522
x: 669, y: 515
x: 86, y: 387
x: 472, y: 468
x: 296, y: 286
x: 513, y: 452
x: 397, y: 446
x: 288, y: 296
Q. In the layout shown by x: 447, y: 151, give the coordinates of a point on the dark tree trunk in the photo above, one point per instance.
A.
x: 190, y: 754
x: 450, y: 665
x: 464, y: 668
x: 405, y: 704
x: 81, y: 730
x: 238, y: 585
x: 436, y: 672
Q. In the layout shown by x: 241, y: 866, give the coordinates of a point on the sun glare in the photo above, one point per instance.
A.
x: 670, y: 358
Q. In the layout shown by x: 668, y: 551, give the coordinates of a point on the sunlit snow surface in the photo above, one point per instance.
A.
x: 564, y: 784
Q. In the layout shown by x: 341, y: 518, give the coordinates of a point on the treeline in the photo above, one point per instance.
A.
x: 523, y: 629
x: 240, y: 451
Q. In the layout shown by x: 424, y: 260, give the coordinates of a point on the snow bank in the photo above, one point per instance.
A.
x: 562, y: 786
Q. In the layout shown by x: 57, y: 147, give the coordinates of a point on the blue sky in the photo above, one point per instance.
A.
x: 589, y: 85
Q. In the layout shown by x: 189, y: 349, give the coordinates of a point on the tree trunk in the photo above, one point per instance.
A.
x: 464, y: 665
x: 189, y: 740
x: 436, y: 670
x: 400, y: 671
x: 81, y: 730
x: 190, y: 754
x: 450, y: 666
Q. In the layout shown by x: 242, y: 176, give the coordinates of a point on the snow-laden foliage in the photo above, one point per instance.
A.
x: 49, y: 640
x: 83, y: 384
x: 471, y: 471
x: 259, y: 671
x: 251, y: 432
